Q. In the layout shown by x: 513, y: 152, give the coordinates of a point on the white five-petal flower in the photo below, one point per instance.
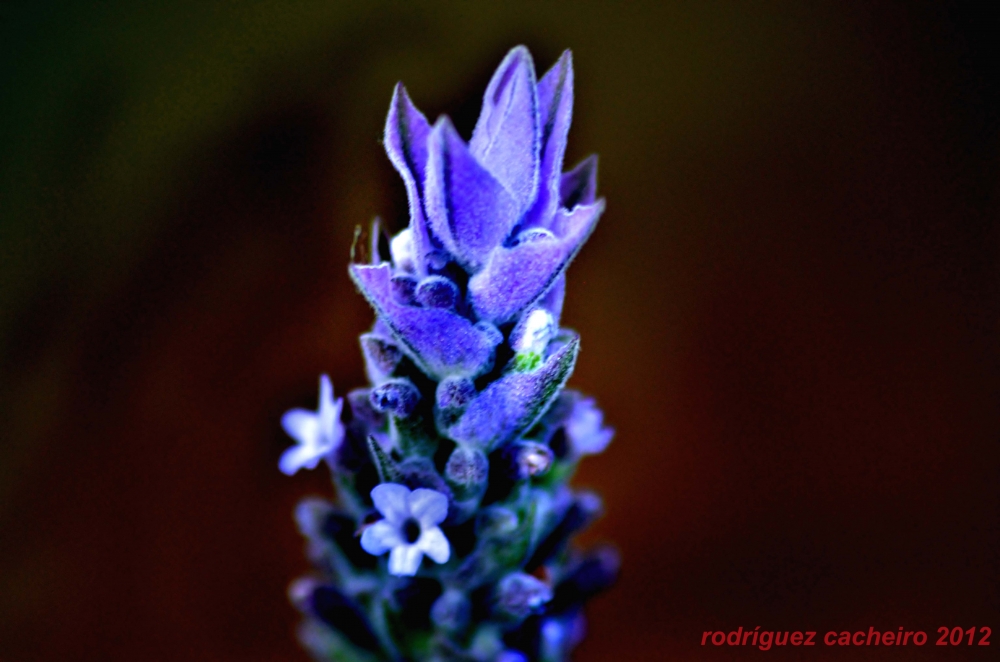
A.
x: 410, y: 528
x: 318, y: 433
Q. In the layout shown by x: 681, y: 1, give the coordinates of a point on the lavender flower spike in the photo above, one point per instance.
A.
x: 462, y: 447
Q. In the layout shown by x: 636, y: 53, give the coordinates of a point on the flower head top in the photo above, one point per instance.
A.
x: 409, y: 528
x: 318, y: 433
x: 493, y: 223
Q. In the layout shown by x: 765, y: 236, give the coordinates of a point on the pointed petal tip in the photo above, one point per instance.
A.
x: 565, y: 59
x: 444, y: 126
x: 400, y: 97
x: 443, y: 135
x: 401, y: 100
x: 578, y: 186
x: 403, y: 137
x: 519, y: 52
x: 518, y: 59
x: 397, y: 91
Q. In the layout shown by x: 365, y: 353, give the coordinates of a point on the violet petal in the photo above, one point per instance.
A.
x: 516, y: 277
x: 514, y: 402
x: 406, y: 133
x: 468, y: 209
x: 506, y: 137
x: 579, y: 185
x: 438, y: 340
x: 555, y: 103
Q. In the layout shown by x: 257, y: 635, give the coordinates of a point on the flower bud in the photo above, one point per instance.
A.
x: 310, y: 513
x: 534, y: 234
x: 491, y: 332
x: 398, y: 396
x: 467, y: 471
x: 451, y: 611
x: 454, y: 393
x: 496, y: 522
x: 533, y: 332
x: 531, y: 459
x: 530, y: 338
x: 558, y: 636
x: 437, y: 261
x: 401, y: 249
x: 594, y: 574
x: 404, y: 289
x: 437, y: 292
x: 586, y: 507
x: 518, y: 595
x: 300, y: 591
x: 452, y: 396
x: 419, y: 472
x: 381, y: 356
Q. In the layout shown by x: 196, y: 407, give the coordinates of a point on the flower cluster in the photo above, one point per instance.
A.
x: 461, y: 449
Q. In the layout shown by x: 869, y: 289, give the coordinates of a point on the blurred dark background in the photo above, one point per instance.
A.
x: 790, y: 311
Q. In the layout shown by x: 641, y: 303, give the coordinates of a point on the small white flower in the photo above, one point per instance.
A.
x: 401, y: 249
x: 318, y: 433
x: 410, y: 528
x: 534, y: 332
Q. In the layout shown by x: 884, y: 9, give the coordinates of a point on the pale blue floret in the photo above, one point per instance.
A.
x: 318, y: 433
x: 410, y: 528
x: 585, y: 429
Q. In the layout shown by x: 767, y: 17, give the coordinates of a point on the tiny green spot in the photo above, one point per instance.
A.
x: 527, y: 361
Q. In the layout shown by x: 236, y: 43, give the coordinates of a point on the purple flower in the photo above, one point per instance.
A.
x: 410, y: 528
x: 585, y: 428
x: 499, y: 209
x: 513, y: 403
x: 520, y: 594
x: 318, y: 433
x: 441, y: 341
x: 465, y: 422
